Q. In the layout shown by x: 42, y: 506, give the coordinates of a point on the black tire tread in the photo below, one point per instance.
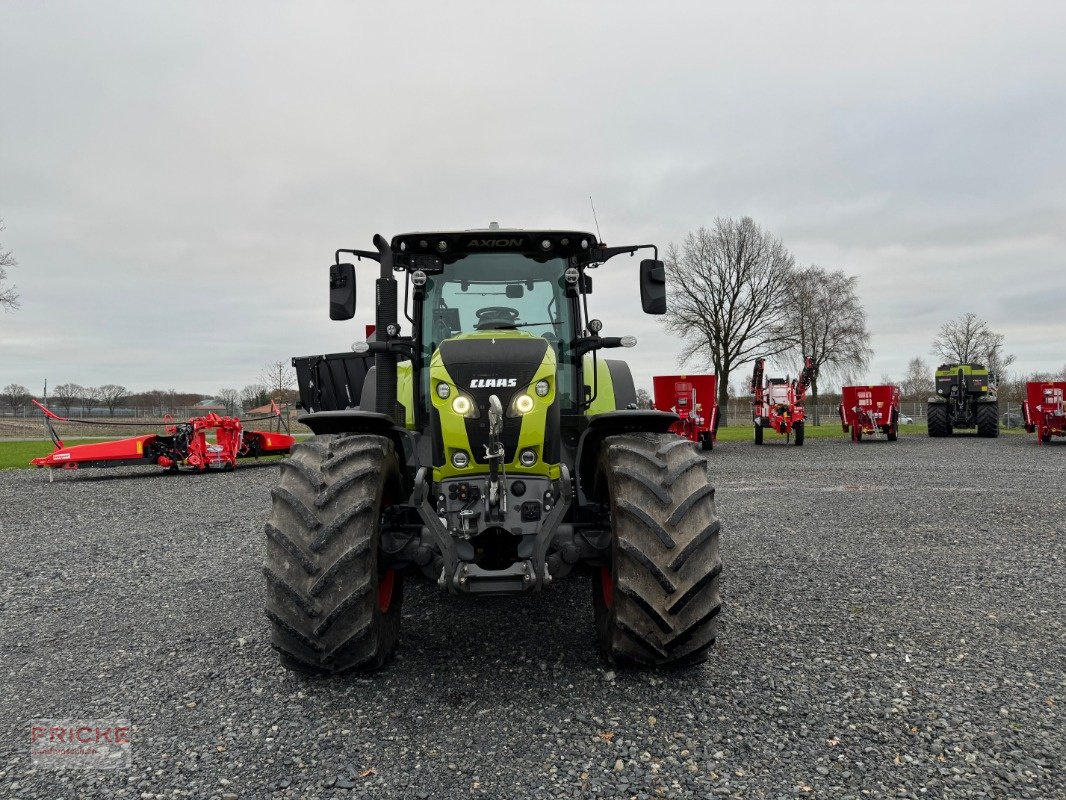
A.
x: 666, y: 564
x: 321, y: 565
x: 937, y: 420
x: 988, y: 420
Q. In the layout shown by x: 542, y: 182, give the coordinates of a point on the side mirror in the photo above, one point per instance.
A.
x: 342, y: 291
x: 653, y: 286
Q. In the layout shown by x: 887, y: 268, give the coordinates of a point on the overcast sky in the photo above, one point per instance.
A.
x: 175, y: 177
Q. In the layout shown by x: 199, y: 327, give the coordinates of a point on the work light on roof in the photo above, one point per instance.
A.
x: 571, y: 274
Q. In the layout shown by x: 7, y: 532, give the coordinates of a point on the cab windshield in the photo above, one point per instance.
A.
x: 499, y: 291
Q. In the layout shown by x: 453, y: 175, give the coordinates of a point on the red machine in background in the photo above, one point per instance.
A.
x: 871, y: 410
x: 183, y: 444
x: 778, y: 402
x: 693, y: 398
x: 1045, y: 409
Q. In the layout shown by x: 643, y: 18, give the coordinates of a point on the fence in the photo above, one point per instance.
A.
x: 29, y: 422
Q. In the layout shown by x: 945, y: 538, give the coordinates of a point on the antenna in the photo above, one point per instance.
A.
x: 595, y: 219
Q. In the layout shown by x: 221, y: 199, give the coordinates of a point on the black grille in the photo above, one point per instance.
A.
x: 470, y: 360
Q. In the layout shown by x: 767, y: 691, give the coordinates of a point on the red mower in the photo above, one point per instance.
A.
x: 870, y: 410
x: 182, y: 444
x: 1045, y: 409
x: 694, y: 399
x: 778, y: 402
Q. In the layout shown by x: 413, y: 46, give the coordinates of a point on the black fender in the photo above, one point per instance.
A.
x: 353, y: 420
x: 612, y: 423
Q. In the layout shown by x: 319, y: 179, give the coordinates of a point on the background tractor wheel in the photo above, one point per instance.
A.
x: 798, y: 430
x: 988, y: 420
x: 657, y: 602
x: 758, y: 434
x: 892, y: 431
x: 937, y: 420
x: 331, y: 606
x: 706, y: 440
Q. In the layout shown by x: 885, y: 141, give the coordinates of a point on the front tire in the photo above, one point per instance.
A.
x: 657, y: 602
x: 937, y: 420
x: 331, y: 604
x: 798, y: 430
x: 988, y: 420
x: 758, y: 434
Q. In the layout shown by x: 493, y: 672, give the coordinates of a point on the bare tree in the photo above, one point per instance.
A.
x: 15, y: 396
x: 918, y: 382
x: 969, y: 339
x: 66, y: 394
x: 727, y: 287
x: 254, y: 395
x: 826, y: 321
x: 644, y: 399
x: 112, y: 395
x: 9, y: 297
x: 278, y: 377
x: 90, y: 397
x: 230, y: 398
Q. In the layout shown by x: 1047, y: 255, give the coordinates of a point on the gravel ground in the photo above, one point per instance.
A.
x: 893, y: 627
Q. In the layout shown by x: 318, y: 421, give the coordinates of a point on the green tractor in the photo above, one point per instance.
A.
x: 965, y: 398
x: 490, y: 450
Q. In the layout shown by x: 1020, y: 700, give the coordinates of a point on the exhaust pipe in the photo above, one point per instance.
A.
x: 385, y: 320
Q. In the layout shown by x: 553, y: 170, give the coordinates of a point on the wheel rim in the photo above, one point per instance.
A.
x: 386, y: 585
x: 607, y: 586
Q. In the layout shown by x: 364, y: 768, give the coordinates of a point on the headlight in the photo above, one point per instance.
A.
x: 443, y: 390
x: 523, y: 404
x: 460, y: 459
x: 527, y: 458
x: 461, y: 405
x: 541, y: 388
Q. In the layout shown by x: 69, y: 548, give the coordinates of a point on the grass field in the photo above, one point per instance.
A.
x: 744, y: 433
x: 17, y: 455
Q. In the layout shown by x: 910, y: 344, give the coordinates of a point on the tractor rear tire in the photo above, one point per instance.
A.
x: 657, y: 602
x: 988, y: 420
x: 331, y: 606
x: 937, y: 420
x: 798, y: 430
x: 758, y: 434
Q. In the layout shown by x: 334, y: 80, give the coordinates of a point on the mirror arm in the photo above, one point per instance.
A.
x: 601, y: 254
x: 359, y: 254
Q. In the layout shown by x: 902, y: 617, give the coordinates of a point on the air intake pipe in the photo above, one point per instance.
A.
x: 385, y: 321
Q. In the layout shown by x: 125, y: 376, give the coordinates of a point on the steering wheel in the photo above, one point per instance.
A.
x: 496, y: 317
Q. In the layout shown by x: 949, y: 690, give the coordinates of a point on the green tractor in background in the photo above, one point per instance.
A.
x: 490, y: 450
x: 965, y: 398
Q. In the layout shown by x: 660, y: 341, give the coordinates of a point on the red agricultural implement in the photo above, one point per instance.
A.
x: 870, y: 411
x: 693, y: 398
x: 182, y: 444
x: 778, y: 402
x: 1045, y: 409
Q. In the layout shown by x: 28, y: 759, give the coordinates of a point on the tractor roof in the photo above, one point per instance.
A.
x: 542, y: 243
